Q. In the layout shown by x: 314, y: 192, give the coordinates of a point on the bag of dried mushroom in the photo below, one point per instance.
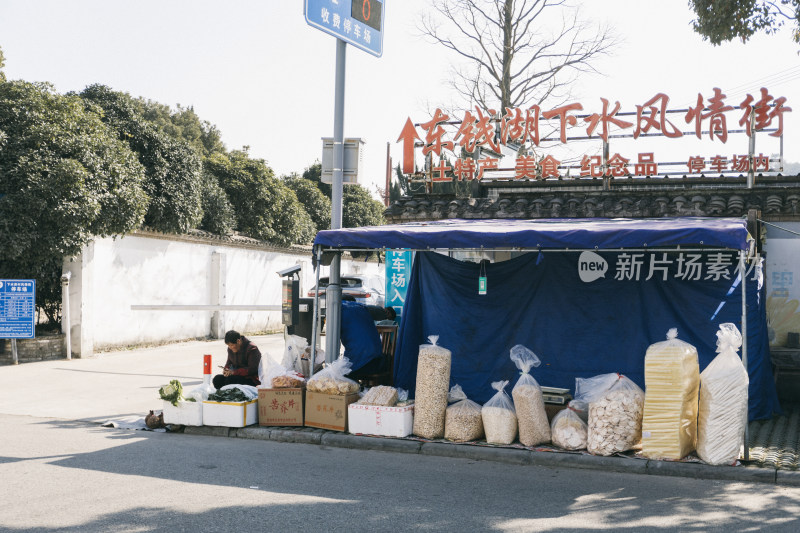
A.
x: 615, y: 418
x: 380, y: 395
x: 568, y: 430
x: 332, y: 380
x: 534, y: 428
x: 499, y: 418
x: 430, y: 397
x: 462, y: 422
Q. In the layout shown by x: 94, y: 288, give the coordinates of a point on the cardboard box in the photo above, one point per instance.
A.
x: 377, y: 420
x: 183, y: 414
x: 281, y: 407
x: 328, y: 411
x: 230, y: 414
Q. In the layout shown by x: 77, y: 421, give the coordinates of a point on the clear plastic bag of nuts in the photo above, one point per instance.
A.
x: 499, y: 418
x: 568, y: 430
x: 332, y: 380
x: 534, y: 427
x: 463, y: 422
x: 433, y: 383
x: 615, y: 418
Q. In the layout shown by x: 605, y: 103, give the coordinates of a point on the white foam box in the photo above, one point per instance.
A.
x: 377, y: 420
x: 183, y: 414
x: 230, y: 414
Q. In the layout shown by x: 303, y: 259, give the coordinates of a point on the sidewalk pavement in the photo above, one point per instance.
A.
x: 120, y: 385
x: 113, y: 385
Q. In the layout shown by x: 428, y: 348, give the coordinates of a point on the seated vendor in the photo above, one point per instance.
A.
x: 379, y: 313
x: 361, y: 341
x: 241, y: 368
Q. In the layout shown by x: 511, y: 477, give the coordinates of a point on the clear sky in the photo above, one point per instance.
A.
x: 265, y: 78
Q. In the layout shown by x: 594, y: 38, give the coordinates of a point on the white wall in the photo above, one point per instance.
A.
x: 111, y: 275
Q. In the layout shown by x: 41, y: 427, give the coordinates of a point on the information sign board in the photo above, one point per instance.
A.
x: 17, y: 308
x: 398, y: 273
x: 357, y: 22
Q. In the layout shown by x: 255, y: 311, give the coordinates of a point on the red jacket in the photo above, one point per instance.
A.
x: 245, y: 362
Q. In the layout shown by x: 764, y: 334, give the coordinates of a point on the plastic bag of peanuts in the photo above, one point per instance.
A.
x: 462, y: 422
x: 534, y: 427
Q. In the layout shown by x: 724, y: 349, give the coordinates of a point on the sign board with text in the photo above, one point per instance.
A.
x: 356, y: 22
x: 17, y: 308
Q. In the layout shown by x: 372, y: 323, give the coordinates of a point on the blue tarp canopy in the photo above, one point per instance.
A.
x: 579, y: 233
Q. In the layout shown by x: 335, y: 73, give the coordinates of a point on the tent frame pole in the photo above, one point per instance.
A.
x: 743, y: 273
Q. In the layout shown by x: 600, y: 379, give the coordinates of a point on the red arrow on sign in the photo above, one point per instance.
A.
x: 408, y: 136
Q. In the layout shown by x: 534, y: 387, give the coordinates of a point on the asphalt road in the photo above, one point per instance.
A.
x: 59, y: 475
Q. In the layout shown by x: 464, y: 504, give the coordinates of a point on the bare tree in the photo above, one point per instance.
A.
x: 518, y: 52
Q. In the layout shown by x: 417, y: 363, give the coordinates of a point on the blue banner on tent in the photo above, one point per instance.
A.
x: 582, y: 313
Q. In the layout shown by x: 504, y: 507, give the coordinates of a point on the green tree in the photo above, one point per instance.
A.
x: 173, y: 177
x: 720, y: 21
x: 64, y: 178
x: 359, y: 208
x: 314, y: 173
x: 316, y: 204
x: 265, y: 208
x: 2, y: 64
x: 218, y: 213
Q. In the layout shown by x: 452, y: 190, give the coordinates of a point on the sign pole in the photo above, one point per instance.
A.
x: 14, y: 357
x: 333, y: 293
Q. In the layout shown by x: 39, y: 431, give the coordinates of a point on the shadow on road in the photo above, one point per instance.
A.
x: 309, y: 485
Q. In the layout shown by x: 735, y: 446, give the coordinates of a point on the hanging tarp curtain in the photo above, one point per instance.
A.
x: 577, y: 321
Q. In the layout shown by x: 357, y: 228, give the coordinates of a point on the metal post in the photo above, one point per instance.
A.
x: 751, y: 173
x: 333, y: 293
x: 315, y: 327
x: 606, y: 177
x: 66, y: 327
x: 743, y: 273
x: 386, y: 194
x: 14, y: 356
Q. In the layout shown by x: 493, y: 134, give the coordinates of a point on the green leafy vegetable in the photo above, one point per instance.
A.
x: 228, y: 395
x: 173, y: 393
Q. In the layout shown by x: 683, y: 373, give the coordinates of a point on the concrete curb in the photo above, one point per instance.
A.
x: 301, y: 437
x: 479, y: 453
x: 750, y: 474
x: 703, y: 471
x: 252, y: 432
x: 589, y: 462
x: 210, y: 431
x: 789, y: 478
x: 344, y: 440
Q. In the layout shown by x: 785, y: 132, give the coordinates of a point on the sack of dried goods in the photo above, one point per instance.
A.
x: 568, y: 430
x: 379, y: 395
x: 590, y: 389
x: 534, y: 428
x: 671, y: 378
x: 463, y: 421
x: 433, y: 382
x: 615, y: 418
x: 499, y: 418
x: 332, y: 380
x: 723, y: 401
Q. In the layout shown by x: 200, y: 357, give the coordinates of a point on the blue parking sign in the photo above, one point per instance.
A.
x: 17, y: 308
x: 398, y: 273
x: 357, y: 22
